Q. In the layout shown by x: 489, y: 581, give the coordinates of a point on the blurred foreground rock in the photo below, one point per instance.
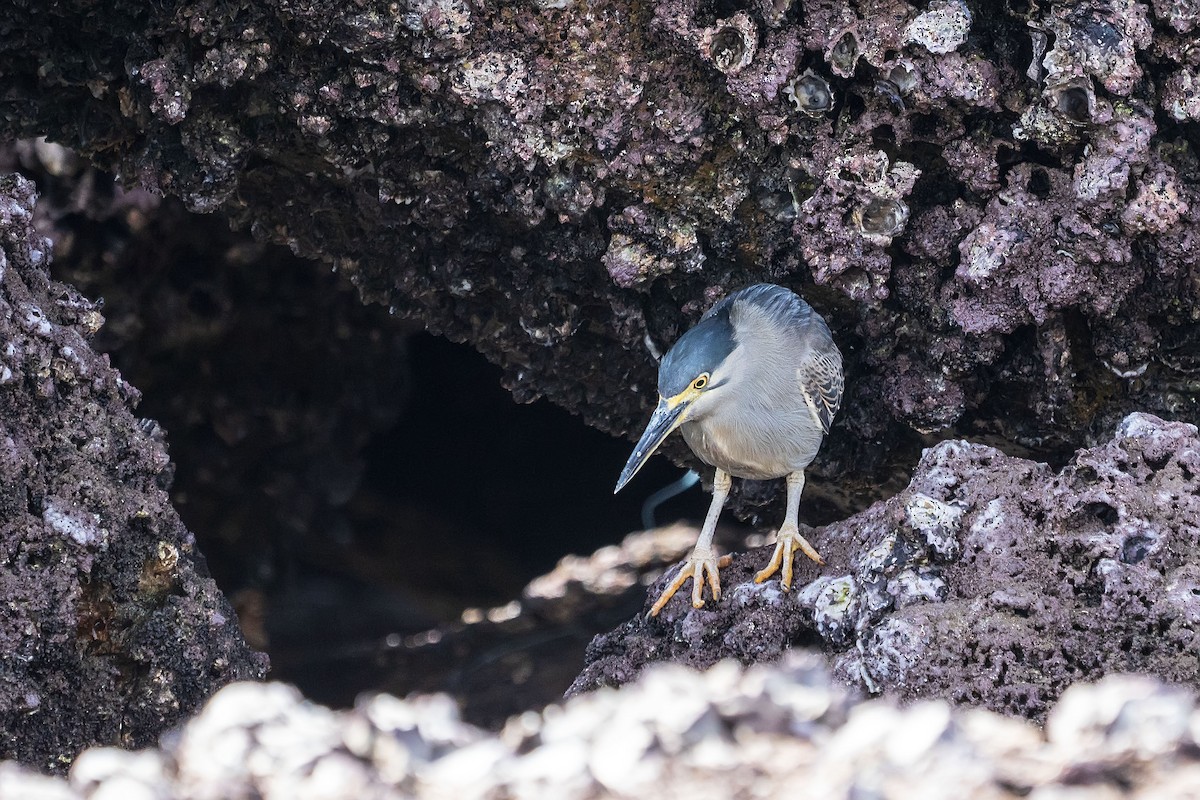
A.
x: 112, y: 629
x: 990, y: 580
x: 767, y: 731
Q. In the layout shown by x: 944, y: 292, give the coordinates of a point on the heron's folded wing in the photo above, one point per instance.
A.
x: 821, y: 383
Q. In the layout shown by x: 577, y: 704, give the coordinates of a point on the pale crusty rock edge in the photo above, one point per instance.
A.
x: 676, y: 732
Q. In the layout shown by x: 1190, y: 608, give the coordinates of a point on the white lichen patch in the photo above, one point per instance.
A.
x: 985, y: 251
x: 80, y: 526
x: 943, y: 28
x: 881, y: 556
x: 1183, y: 593
x: 1138, y: 425
x: 496, y: 76
x: 939, y: 464
x: 443, y: 19
x: 937, y: 522
x: 1158, y: 206
x: 833, y: 604
x: 751, y: 593
x: 1182, y: 97
x: 887, y: 655
x: 917, y: 586
x: 986, y: 524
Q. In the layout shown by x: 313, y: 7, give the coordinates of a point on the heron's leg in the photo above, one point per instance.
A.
x: 789, y: 537
x: 702, y: 564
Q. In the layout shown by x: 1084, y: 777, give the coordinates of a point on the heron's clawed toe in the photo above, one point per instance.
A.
x: 786, y: 544
x: 701, y: 566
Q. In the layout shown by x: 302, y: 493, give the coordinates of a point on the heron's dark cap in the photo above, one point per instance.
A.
x: 699, y: 350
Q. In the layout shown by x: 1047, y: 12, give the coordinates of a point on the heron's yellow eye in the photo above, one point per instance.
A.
x: 700, y: 382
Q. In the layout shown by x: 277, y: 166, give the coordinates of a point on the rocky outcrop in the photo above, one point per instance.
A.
x: 995, y: 205
x: 267, y: 373
x: 991, y: 580
x: 112, y: 629
x: 675, y: 733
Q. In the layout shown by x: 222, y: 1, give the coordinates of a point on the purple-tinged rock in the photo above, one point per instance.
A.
x: 990, y: 580
x: 114, y: 632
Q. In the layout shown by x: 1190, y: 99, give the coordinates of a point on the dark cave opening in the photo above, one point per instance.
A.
x: 532, y: 480
x: 349, y: 478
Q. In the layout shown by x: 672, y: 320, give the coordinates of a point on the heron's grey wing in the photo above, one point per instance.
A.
x: 821, y: 384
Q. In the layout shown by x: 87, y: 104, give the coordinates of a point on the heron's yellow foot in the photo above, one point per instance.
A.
x: 785, y: 547
x: 701, y: 565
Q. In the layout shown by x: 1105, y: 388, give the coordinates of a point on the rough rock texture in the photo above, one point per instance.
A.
x: 112, y: 629
x: 990, y: 580
x: 726, y: 733
x: 998, y: 209
x: 265, y: 371
x: 268, y: 376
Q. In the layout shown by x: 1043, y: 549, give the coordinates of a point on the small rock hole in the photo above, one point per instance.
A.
x: 1135, y: 549
x: 1073, y: 104
x: 1039, y: 184
x: 1103, y: 512
x: 1158, y: 461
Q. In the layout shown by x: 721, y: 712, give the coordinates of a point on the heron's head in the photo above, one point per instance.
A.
x: 691, y: 379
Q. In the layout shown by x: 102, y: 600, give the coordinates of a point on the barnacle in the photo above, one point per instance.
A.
x: 730, y: 45
x: 810, y: 93
x: 880, y: 217
x: 902, y: 75
x: 1074, y: 100
x: 775, y: 11
x: 843, y: 53
x: 895, y: 81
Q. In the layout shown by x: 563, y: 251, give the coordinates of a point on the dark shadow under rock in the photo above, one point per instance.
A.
x: 113, y: 630
x: 522, y: 656
x: 990, y: 580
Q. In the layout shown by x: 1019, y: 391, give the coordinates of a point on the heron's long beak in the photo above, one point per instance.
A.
x: 669, y: 415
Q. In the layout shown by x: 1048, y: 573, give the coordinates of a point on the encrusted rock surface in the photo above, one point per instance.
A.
x: 266, y: 372
x: 768, y: 731
x: 112, y: 629
x: 990, y: 580
x: 996, y: 207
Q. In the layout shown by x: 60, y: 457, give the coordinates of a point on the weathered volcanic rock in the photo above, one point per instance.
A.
x: 267, y: 373
x: 990, y: 580
x: 768, y: 731
x: 996, y: 206
x: 112, y: 629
